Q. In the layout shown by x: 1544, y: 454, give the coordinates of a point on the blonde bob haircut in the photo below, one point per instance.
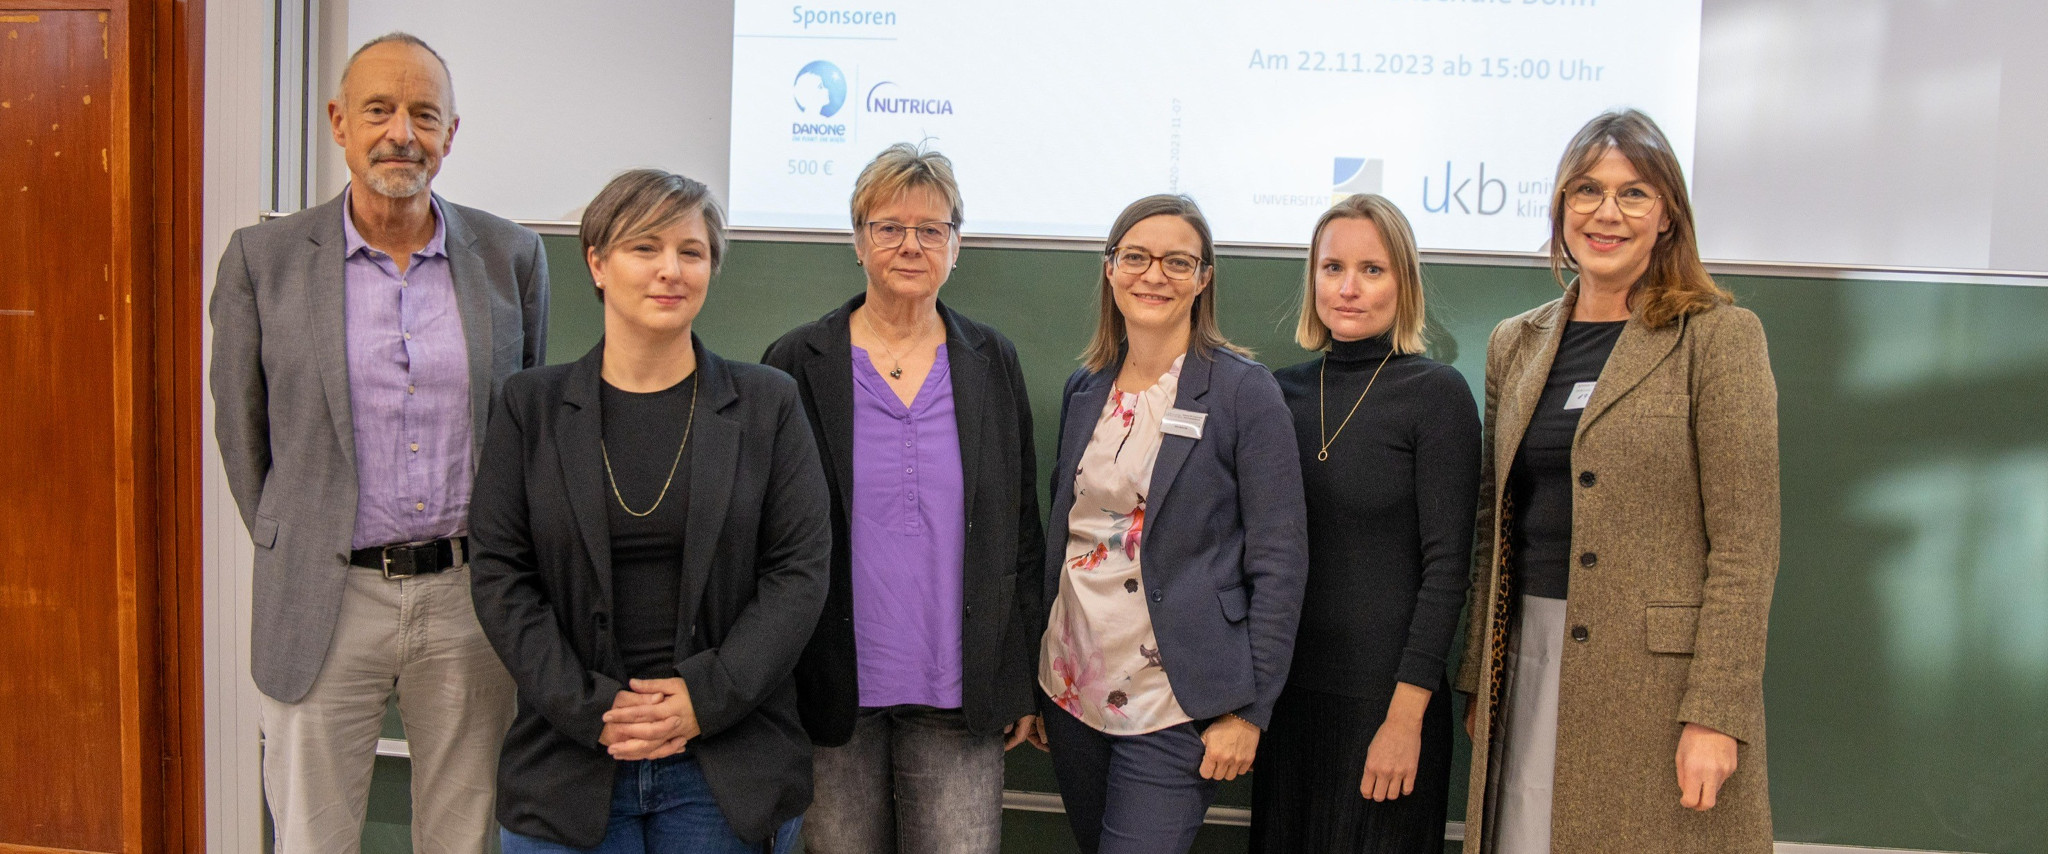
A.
x: 1677, y: 283
x: 898, y: 170
x: 641, y: 202
x: 1402, y: 259
x: 1106, y: 347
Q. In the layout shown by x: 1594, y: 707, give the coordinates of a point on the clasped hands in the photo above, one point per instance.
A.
x: 652, y: 719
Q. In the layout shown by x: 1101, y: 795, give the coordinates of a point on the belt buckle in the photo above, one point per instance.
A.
x: 408, y: 554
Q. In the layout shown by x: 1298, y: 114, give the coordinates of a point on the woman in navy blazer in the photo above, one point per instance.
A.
x: 1176, y: 550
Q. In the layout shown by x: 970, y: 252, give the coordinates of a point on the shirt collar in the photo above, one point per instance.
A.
x: 353, y: 241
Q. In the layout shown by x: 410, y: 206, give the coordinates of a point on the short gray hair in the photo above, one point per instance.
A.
x: 400, y: 37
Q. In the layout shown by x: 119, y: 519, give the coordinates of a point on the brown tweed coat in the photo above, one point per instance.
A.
x: 1677, y: 497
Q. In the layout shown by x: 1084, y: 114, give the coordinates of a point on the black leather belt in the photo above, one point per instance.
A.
x: 406, y: 560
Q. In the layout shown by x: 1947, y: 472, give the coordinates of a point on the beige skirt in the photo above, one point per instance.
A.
x: 1522, y: 765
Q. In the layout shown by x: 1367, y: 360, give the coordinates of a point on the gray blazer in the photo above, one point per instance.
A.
x: 280, y: 393
x: 1226, y: 532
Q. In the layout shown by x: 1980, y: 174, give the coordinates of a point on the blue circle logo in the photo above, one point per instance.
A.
x: 820, y: 88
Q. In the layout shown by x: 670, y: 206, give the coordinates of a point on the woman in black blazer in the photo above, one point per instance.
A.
x: 919, y: 676
x: 1177, y: 547
x: 651, y: 554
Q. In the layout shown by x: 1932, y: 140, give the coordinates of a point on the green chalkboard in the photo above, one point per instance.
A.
x: 1908, y: 677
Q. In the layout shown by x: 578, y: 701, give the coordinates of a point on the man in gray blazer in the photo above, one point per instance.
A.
x: 357, y: 347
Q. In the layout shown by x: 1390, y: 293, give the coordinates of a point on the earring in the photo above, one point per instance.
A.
x: 857, y: 263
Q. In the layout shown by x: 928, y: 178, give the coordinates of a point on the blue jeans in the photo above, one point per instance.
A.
x: 662, y: 806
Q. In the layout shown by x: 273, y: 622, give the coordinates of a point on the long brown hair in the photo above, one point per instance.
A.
x: 1106, y: 346
x: 1677, y: 283
x: 1399, y: 239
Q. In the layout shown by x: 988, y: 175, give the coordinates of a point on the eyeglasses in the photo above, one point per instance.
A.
x: 1178, y: 266
x: 1634, y: 202
x: 884, y: 234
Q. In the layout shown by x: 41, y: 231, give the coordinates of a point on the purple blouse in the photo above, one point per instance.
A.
x: 408, y: 391
x: 908, y: 536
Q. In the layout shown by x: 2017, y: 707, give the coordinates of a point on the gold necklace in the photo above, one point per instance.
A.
x: 687, y: 424
x: 1322, y: 404
x: 896, y: 374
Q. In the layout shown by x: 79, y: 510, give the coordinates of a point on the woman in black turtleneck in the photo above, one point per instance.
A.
x: 1359, y: 752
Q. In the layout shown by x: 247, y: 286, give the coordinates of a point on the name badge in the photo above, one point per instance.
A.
x: 1180, y: 422
x: 1581, y: 392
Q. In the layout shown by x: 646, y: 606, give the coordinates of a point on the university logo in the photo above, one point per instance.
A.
x: 1355, y: 175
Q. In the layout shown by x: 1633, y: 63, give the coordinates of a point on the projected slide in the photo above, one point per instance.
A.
x: 1057, y: 113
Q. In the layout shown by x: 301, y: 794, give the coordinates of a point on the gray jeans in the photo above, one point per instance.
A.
x: 911, y: 780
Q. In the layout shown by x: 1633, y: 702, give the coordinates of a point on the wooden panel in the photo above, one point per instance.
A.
x: 66, y: 593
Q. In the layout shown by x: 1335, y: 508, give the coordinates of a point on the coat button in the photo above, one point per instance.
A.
x: 1579, y: 634
x: 1587, y: 478
x: 1587, y: 559
x: 601, y: 619
x: 1157, y: 596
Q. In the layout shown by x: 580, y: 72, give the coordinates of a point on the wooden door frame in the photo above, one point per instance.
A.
x: 157, y: 49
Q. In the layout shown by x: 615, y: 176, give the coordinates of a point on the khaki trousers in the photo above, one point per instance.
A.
x: 418, y: 636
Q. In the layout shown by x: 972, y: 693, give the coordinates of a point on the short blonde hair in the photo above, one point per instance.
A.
x: 641, y: 202
x: 1105, y: 347
x: 899, y: 169
x: 1402, y: 257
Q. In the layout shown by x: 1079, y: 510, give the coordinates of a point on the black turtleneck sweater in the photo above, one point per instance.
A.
x: 1390, y: 517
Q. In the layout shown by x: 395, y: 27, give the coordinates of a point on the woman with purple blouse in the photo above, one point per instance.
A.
x: 920, y: 673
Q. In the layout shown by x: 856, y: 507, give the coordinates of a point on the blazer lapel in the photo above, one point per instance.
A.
x: 1084, y: 408
x: 828, y: 375
x: 577, y: 444
x: 972, y: 376
x: 329, y: 321
x: 1174, y: 450
x: 714, y: 463
x: 1524, y: 387
x: 1637, y: 352
x: 472, y: 301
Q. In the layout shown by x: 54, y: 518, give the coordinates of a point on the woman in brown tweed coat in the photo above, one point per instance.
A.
x: 1629, y: 535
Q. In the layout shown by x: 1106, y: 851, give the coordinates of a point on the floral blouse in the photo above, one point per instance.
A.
x: 1099, y: 659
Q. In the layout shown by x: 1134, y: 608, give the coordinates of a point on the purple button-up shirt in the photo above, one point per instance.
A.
x: 408, y: 391
x: 908, y: 536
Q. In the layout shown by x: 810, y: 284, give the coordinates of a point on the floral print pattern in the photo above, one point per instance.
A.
x: 1100, y: 660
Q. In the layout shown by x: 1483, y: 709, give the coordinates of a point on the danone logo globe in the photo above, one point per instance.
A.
x: 820, y: 89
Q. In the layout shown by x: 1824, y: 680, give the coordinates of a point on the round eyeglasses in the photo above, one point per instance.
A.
x: 1633, y: 202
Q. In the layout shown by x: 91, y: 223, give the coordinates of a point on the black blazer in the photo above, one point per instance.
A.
x: 753, y: 578
x: 1226, y: 532
x: 999, y: 632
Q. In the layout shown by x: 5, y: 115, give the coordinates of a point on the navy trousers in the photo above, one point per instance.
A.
x: 1129, y: 794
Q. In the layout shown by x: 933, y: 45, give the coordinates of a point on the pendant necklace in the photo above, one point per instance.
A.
x: 1322, y: 404
x: 897, y: 372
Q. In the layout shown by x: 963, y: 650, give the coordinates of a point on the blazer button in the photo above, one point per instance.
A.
x: 1157, y: 596
x: 601, y: 619
x: 1587, y: 478
x: 1579, y: 634
x: 1587, y: 559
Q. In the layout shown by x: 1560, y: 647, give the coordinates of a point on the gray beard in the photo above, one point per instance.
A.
x: 403, y: 183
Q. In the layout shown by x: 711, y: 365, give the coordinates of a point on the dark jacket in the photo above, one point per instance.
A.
x: 1226, y: 532
x: 753, y: 578
x: 1002, y: 611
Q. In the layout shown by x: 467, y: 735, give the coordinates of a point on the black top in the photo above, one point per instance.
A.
x: 1389, y: 518
x: 643, y: 432
x: 1540, y: 484
x: 753, y: 576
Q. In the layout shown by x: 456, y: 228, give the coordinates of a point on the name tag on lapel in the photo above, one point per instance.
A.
x: 1180, y: 422
x: 1581, y: 394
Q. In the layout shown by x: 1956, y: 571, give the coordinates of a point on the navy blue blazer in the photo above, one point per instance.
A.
x: 1226, y: 532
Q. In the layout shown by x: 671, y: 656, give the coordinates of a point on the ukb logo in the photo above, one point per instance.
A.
x: 1482, y: 195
